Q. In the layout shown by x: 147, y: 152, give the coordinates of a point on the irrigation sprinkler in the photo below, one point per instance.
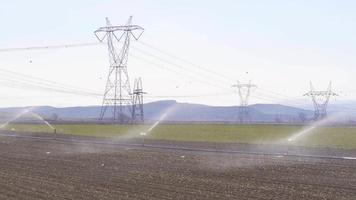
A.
x: 143, y: 134
x: 289, y: 142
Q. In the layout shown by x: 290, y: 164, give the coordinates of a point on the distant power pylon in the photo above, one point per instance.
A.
x: 117, y: 95
x: 137, y: 110
x: 320, y: 100
x: 244, y: 91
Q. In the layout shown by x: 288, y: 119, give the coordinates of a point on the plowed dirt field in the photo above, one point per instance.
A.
x: 69, y: 169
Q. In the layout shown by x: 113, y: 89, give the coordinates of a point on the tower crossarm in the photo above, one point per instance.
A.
x: 119, y: 28
x: 321, y: 93
x: 134, y: 30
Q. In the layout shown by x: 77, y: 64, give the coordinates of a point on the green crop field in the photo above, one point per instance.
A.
x: 338, y: 137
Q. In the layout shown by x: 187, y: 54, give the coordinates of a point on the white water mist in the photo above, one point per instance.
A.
x: 43, y: 120
x: 161, y: 118
x: 309, y: 129
x: 136, y: 132
x: 17, y: 116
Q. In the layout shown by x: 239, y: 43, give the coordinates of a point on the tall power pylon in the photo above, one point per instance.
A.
x: 137, y: 110
x: 320, y: 100
x: 118, y: 95
x: 244, y: 91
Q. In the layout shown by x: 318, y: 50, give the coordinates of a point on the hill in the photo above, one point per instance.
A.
x: 177, y: 112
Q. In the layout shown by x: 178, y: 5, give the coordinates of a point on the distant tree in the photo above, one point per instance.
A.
x: 302, y: 117
x: 278, y: 119
x: 54, y: 117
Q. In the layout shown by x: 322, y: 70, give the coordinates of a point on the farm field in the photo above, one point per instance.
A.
x: 44, y: 168
x: 333, y: 137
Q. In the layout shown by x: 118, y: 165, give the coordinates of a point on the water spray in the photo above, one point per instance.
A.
x: 309, y: 130
x: 23, y: 112
x: 144, y: 134
x: 161, y: 118
x: 46, y: 122
x: 145, y: 131
x: 312, y: 127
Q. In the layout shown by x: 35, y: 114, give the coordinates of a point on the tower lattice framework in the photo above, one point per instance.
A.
x: 244, y: 91
x: 137, y: 110
x: 320, y: 100
x: 118, y: 99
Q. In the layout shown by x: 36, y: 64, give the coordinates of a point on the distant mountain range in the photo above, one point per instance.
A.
x: 182, y: 112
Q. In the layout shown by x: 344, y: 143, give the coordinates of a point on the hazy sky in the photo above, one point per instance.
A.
x: 279, y: 45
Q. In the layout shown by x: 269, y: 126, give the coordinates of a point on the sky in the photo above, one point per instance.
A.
x: 279, y: 45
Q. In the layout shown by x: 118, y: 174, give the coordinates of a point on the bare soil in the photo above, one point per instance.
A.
x: 59, y: 169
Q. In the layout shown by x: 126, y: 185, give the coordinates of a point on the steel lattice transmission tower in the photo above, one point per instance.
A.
x: 137, y: 110
x: 320, y: 100
x: 118, y: 95
x: 244, y: 91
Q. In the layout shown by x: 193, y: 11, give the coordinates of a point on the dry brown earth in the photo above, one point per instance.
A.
x: 47, y: 169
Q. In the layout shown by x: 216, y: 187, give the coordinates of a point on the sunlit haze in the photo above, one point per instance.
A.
x: 280, y: 46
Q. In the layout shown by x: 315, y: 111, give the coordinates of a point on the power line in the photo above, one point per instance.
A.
x: 177, y: 72
x: 41, y: 81
x: 276, y: 93
x: 216, y: 73
x: 186, y: 61
x: 61, y: 46
x: 276, y: 98
x: 25, y: 85
x: 269, y: 94
x: 273, y: 101
x: 18, y: 80
x: 211, y: 72
x: 194, y: 77
x: 176, y: 65
x: 181, y: 67
x: 189, y: 96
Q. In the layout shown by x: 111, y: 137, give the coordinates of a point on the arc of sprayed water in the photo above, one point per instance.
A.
x: 311, y: 127
x: 157, y: 122
x: 16, y: 117
x: 28, y: 110
x: 41, y: 118
x: 161, y: 118
x: 142, y: 133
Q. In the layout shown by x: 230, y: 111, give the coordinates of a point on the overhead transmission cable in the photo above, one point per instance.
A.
x: 185, y: 69
x: 189, y: 96
x: 185, y: 61
x: 211, y: 72
x: 50, y: 47
x: 51, y: 85
x: 90, y: 44
x: 227, y: 79
x: 181, y: 67
x: 177, y: 72
x: 203, y: 81
x: 176, y: 65
x: 18, y: 80
x: 42, y: 81
x: 277, y: 99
